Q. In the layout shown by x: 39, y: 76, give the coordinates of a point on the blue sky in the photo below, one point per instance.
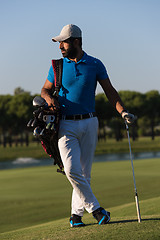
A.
x: 123, y: 34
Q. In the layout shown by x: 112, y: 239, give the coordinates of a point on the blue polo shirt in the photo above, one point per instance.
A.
x: 79, y: 81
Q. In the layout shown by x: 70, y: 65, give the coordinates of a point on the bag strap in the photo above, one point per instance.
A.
x: 57, y: 65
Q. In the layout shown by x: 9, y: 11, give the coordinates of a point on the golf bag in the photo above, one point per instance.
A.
x: 45, y: 123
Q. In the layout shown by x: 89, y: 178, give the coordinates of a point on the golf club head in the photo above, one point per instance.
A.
x: 48, y: 118
x: 37, y: 131
x: 36, y: 112
x: 49, y: 125
x: 29, y: 123
x: 42, y: 132
x: 53, y: 127
x: 34, y: 123
x: 39, y: 102
x: 40, y: 116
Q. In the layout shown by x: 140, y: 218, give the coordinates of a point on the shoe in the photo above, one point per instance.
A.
x: 101, y: 215
x: 76, y: 221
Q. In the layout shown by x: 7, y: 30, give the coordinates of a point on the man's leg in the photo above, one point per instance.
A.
x: 87, y: 141
x: 70, y: 135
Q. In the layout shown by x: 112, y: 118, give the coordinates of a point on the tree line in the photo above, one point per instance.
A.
x: 146, y: 106
x: 16, y: 110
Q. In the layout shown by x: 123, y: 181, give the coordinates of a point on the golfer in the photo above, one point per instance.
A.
x: 79, y: 125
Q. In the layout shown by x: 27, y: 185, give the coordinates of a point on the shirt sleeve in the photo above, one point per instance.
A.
x: 101, y: 71
x: 51, y: 75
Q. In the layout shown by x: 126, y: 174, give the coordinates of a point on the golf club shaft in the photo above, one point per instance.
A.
x: 136, y: 194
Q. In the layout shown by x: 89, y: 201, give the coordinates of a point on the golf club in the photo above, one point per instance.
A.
x: 39, y: 102
x: 136, y: 194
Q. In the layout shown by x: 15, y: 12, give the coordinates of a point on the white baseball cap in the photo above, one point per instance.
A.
x: 68, y: 31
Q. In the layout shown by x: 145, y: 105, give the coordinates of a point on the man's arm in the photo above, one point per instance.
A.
x: 112, y: 95
x: 47, y: 92
x: 116, y: 101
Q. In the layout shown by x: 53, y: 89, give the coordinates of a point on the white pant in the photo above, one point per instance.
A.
x: 77, y: 142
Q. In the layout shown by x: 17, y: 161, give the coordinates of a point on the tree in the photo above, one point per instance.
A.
x: 20, y: 108
x: 104, y: 111
x: 5, y: 118
x: 152, y: 109
x: 19, y: 90
x: 135, y: 103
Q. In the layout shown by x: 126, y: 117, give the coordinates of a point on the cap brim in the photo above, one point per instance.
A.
x: 59, y: 38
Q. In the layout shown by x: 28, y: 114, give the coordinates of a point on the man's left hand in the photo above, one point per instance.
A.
x: 128, y: 117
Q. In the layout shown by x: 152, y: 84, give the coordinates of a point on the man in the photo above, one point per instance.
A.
x: 79, y: 124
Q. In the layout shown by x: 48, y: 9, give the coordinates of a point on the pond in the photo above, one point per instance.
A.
x: 30, y: 162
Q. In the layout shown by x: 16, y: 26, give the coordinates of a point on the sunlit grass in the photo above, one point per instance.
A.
x: 37, y: 195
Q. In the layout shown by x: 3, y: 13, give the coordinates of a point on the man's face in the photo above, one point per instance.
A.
x: 68, y: 49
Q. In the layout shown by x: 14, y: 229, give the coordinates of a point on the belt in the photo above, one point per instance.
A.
x: 78, y: 116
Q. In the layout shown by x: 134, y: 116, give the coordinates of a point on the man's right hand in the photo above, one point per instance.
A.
x: 46, y: 93
x: 52, y: 103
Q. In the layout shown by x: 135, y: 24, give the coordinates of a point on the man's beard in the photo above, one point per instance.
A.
x: 71, y: 52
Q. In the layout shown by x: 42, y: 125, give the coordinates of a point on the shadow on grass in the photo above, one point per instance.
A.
x: 135, y: 220
x: 127, y: 221
x: 150, y: 219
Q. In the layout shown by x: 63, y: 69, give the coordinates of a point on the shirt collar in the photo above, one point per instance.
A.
x: 83, y: 59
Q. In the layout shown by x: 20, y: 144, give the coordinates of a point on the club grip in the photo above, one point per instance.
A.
x: 138, y: 209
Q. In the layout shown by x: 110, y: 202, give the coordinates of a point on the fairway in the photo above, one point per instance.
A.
x: 35, y: 202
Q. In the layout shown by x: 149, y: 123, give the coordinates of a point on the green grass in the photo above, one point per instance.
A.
x: 143, y: 144
x: 35, y: 202
x: 110, y: 146
x: 34, y: 150
x: 120, y: 227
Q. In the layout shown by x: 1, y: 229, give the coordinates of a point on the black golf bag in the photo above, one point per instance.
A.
x: 45, y: 123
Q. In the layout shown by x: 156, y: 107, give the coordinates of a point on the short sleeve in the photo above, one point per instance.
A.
x: 101, y: 71
x: 51, y: 75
